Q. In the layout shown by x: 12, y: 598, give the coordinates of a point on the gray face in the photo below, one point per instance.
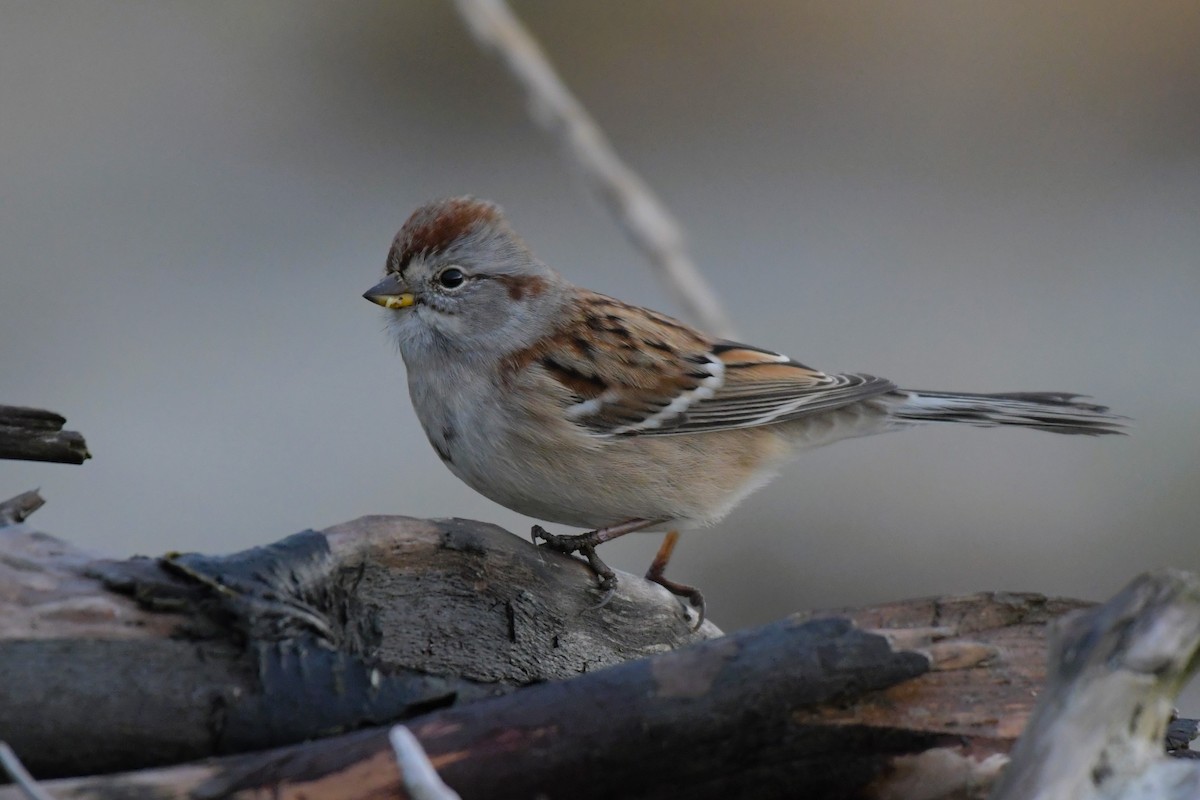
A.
x: 456, y: 301
x: 478, y: 292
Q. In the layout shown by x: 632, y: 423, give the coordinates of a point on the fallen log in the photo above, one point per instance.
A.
x: 114, y: 665
x: 490, y: 651
x: 709, y: 721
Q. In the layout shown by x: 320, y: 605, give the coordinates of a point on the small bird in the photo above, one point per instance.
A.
x: 572, y: 407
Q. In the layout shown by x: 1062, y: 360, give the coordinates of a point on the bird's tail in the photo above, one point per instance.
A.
x: 1057, y: 412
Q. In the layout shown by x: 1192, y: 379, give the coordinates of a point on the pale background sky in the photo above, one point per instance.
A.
x: 976, y: 196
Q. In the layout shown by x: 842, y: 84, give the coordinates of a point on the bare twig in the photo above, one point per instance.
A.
x: 642, y: 215
x: 11, y: 765
x: 17, y: 509
x: 421, y: 780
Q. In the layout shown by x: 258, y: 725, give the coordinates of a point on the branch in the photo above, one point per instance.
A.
x: 457, y: 627
x: 366, y: 623
x: 31, y: 434
x: 492, y: 653
x: 804, y: 707
x: 640, y: 213
x: 15, y: 770
x: 1115, y: 673
x: 714, y: 720
x: 420, y: 779
x: 17, y: 509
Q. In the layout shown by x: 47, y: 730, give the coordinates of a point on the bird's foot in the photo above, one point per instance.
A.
x: 656, y: 575
x: 585, y: 545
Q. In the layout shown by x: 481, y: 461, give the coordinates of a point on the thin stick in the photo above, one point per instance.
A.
x: 420, y: 779
x: 641, y: 214
x: 15, y: 770
x: 17, y: 509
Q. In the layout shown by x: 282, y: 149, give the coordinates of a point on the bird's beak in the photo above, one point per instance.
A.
x: 390, y: 293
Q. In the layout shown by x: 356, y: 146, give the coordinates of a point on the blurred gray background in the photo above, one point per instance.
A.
x: 988, y: 197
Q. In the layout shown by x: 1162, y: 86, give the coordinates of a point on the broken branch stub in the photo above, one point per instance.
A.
x: 1100, y: 723
x: 33, y: 434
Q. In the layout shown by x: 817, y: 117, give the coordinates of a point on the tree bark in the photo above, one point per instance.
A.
x: 1100, y: 724
x: 651, y: 728
x: 114, y: 665
x: 32, y: 434
x: 492, y: 653
x: 17, y: 509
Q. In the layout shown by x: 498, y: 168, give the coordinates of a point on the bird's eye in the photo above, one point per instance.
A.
x: 451, y: 278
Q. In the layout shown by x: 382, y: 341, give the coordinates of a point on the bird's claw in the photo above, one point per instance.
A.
x: 582, y: 544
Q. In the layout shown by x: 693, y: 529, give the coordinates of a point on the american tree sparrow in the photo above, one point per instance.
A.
x: 572, y: 407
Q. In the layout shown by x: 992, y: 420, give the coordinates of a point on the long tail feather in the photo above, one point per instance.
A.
x: 1057, y: 412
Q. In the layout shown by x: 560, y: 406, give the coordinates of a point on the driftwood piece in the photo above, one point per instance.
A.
x: 32, y: 434
x: 810, y: 706
x: 1099, y: 726
x: 111, y: 665
x: 656, y: 727
x: 455, y: 627
x: 17, y: 509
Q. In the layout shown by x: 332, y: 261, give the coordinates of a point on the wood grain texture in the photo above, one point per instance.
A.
x: 1100, y: 723
x: 491, y: 653
x: 33, y: 434
x: 143, y: 662
x: 651, y: 728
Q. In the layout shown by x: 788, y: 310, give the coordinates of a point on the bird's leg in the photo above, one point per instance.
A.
x: 585, y: 544
x: 656, y: 574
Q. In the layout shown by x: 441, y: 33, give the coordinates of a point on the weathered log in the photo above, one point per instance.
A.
x: 108, y: 665
x: 1099, y: 726
x: 32, y: 434
x: 657, y: 727
x: 811, y: 706
x: 111, y: 665
x: 384, y: 619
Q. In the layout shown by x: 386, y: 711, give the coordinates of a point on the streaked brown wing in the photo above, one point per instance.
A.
x: 761, y: 387
x: 621, y: 370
